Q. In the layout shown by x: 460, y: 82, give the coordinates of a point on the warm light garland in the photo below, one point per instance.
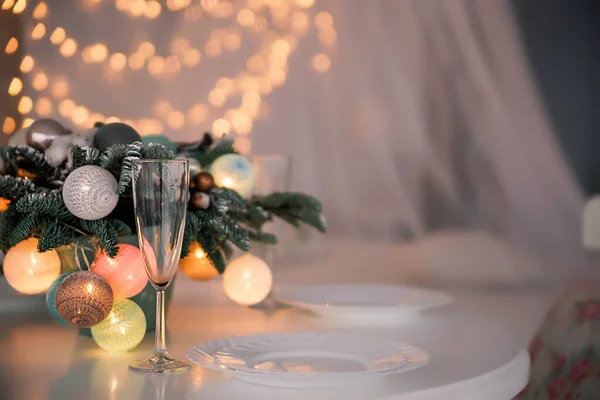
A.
x: 278, y: 24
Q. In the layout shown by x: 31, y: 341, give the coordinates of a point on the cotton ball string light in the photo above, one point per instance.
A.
x: 234, y: 172
x: 125, y: 273
x: 196, y: 265
x: 123, y: 329
x: 51, y: 298
x: 84, y: 299
x: 90, y: 192
x: 29, y: 271
x: 247, y: 280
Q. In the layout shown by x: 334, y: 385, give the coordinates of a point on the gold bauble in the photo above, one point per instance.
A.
x: 196, y: 265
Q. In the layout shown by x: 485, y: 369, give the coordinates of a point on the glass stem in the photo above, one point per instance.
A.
x: 161, y: 343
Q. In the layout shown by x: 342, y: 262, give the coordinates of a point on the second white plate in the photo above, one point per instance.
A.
x: 314, y: 360
x: 384, y: 303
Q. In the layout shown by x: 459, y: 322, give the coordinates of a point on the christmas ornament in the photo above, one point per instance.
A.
x: 84, y: 299
x: 200, y: 200
x: 204, y: 181
x: 115, y: 133
x: 123, y: 329
x: 247, y: 280
x: 195, y: 167
x: 29, y: 271
x: 58, y: 151
x: 235, y: 172
x: 160, y: 139
x: 125, y: 273
x: 19, y: 137
x: 196, y: 265
x: 42, y: 132
x: 90, y: 192
x: 51, y: 298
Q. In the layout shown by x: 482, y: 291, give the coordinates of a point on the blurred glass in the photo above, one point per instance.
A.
x: 273, y: 173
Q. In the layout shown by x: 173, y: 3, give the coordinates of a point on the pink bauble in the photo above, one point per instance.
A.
x: 125, y: 273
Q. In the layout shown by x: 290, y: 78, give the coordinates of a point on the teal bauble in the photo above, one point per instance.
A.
x: 234, y: 172
x: 51, y: 298
x: 160, y: 139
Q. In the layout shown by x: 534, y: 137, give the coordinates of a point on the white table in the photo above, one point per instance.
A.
x: 476, y: 344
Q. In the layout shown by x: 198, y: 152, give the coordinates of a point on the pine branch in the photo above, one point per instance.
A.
x: 227, y: 249
x: 229, y: 202
x: 14, y: 188
x: 8, y: 221
x: 112, y: 158
x: 225, y: 146
x: 223, y: 226
x: 293, y: 208
x: 212, y: 250
x: 121, y: 227
x: 189, y: 234
x: 134, y: 152
x: 55, y: 234
x: 17, y: 154
x: 108, y: 235
x: 27, y: 226
x: 263, y: 237
x: 84, y: 156
x: 156, y: 151
x: 217, y: 260
x: 51, y: 204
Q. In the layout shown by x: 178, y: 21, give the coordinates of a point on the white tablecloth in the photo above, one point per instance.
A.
x: 476, y: 344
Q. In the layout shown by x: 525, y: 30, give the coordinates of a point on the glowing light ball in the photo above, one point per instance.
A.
x: 123, y: 329
x: 125, y: 273
x: 51, y: 298
x: 196, y: 265
x: 84, y: 298
x: 234, y: 172
x: 4, y: 204
x: 247, y: 280
x: 29, y: 271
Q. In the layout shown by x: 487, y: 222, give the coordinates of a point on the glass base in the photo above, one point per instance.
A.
x: 162, y: 363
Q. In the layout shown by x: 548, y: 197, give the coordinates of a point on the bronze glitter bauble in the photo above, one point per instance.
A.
x: 84, y: 299
x: 204, y: 181
x: 200, y: 200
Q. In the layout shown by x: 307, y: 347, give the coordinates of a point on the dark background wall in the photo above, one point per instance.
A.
x: 562, y: 38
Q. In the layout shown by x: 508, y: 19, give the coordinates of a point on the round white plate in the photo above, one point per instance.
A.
x: 307, y: 359
x: 370, y: 303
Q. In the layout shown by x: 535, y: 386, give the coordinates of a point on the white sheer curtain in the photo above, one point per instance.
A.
x: 427, y: 120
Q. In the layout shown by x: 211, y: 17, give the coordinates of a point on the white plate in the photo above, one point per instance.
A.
x: 307, y: 359
x: 369, y: 303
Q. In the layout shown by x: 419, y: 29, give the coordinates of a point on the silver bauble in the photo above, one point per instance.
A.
x: 90, y: 192
x: 18, y: 137
x: 42, y: 132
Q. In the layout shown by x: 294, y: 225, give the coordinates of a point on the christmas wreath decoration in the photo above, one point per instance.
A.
x: 63, y: 185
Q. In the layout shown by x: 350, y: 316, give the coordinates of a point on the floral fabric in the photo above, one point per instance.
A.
x: 565, y: 354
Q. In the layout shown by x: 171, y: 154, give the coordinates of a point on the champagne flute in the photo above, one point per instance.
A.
x: 160, y: 198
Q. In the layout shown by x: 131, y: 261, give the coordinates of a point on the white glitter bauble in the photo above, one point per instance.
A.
x: 234, y: 172
x: 90, y: 192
